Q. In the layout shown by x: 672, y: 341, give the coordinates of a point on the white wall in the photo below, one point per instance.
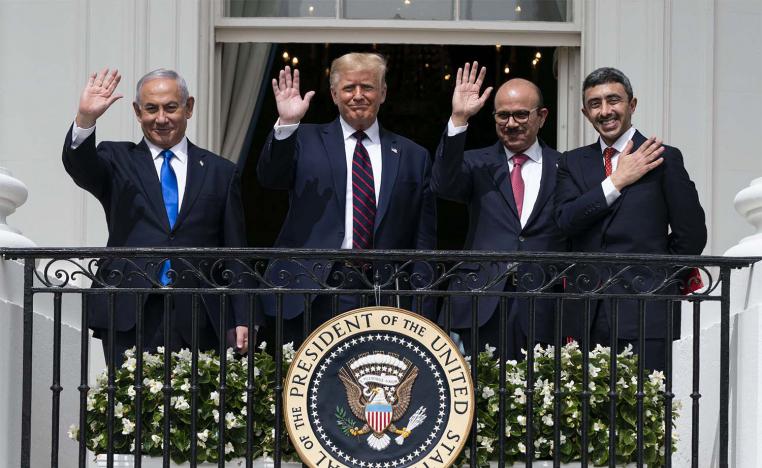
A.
x: 47, y: 48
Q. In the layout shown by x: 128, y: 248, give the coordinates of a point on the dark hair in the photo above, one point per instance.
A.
x: 605, y: 75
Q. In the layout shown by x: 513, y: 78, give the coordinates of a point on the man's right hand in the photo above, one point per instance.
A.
x: 97, y: 96
x: 466, y: 101
x: 632, y: 166
x: 291, y: 105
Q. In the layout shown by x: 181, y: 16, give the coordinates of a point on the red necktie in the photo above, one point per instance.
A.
x: 363, y: 196
x: 608, y: 153
x: 517, y: 182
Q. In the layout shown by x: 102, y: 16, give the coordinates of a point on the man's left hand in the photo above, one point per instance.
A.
x: 242, y: 339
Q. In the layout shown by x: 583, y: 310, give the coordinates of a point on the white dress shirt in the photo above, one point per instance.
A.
x: 531, y: 171
x: 609, y: 191
x: 372, y: 144
x: 179, y: 163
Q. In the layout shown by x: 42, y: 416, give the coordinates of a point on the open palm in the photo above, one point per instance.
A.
x: 98, y: 95
x: 466, y: 100
x: 291, y: 105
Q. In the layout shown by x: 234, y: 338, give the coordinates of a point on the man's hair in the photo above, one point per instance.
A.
x: 606, y: 75
x: 163, y: 73
x: 358, y: 61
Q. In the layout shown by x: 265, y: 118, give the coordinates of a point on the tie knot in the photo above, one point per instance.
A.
x: 519, y: 159
x: 609, y: 153
x: 167, y: 155
x: 359, y: 136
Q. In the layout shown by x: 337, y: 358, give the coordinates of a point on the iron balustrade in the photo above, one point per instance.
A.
x: 381, y: 277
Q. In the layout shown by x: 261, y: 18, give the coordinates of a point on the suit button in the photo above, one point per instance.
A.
x: 521, y: 239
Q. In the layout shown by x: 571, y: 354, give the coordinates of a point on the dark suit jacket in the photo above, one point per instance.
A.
x: 311, y: 165
x: 122, y: 176
x: 658, y: 214
x: 480, y: 179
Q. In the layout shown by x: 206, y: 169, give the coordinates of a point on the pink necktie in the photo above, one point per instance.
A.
x: 517, y: 182
x: 608, y: 153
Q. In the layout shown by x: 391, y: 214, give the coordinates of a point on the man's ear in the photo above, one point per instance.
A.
x: 189, y: 107
x: 136, y: 108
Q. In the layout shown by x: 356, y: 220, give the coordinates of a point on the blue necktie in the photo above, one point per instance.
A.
x: 170, y: 194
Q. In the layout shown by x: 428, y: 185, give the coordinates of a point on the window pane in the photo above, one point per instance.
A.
x: 398, y: 9
x: 516, y: 10
x: 282, y: 8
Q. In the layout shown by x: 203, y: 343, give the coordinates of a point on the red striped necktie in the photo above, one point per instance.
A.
x: 363, y: 196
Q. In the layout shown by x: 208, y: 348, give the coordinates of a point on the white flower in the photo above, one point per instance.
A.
x: 520, y: 396
x: 90, y: 402
x: 215, y: 397
x: 129, y: 364
x: 181, y: 403
x: 522, y: 420
x: 119, y: 410
x: 157, y: 439
x: 599, y: 427
x: 522, y: 447
x: 257, y: 372
x: 202, y: 436
x: 594, y: 371
x: 272, y: 409
x: 228, y: 448
x: 288, y: 351
x: 216, y: 415
x: 490, y: 350
x: 185, y: 355
x: 127, y: 426
x: 548, y: 420
x: 230, y: 420
x: 185, y: 386
x: 154, y: 386
x: 73, y: 432
x: 487, y: 392
x: 131, y: 392
x: 160, y: 350
x: 262, y: 346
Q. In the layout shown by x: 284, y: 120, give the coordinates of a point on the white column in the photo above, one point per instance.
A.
x: 13, y: 194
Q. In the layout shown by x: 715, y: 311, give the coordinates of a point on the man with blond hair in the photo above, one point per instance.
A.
x: 352, y: 184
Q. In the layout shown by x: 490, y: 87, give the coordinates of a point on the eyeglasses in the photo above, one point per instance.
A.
x: 520, y: 116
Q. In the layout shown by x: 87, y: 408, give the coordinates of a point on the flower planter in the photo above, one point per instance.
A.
x: 128, y: 461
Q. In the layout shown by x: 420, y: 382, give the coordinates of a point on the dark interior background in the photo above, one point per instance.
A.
x: 420, y: 79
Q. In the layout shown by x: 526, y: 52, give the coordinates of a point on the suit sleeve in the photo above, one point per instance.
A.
x: 576, y: 209
x: 451, y: 178
x: 87, y: 165
x: 686, y: 216
x: 277, y: 162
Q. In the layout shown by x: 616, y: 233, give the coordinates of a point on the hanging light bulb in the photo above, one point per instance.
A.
x: 518, y: 9
x: 285, y: 56
x: 506, y: 70
x: 538, y: 55
x: 497, y: 47
x: 295, y: 61
x: 447, y: 77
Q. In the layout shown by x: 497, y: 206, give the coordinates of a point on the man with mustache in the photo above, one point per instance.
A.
x: 508, y: 188
x: 352, y: 185
x: 626, y: 194
x: 161, y: 192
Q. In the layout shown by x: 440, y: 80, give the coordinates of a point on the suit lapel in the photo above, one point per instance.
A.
x: 547, y: 184
x: 333, y: 142
x: 196, y: 173
x: 391, y: 152
x: 502, y: 177
x: 149, y: 179
x: 593, y: 171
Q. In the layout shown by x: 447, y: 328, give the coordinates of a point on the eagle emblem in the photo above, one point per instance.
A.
x: 378, y: 387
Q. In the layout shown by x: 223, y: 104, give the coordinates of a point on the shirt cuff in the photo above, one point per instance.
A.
x: 609, y: 191
x: 281, y: 132
x: 452, y: 130
x: 78, y: 135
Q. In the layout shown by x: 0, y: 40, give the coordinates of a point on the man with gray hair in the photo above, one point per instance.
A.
x: 161, y: 192
x: 352, y: 184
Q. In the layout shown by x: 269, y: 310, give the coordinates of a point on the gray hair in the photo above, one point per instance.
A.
x: 354, y: 61
x: 163, y: 73
x: 605, y: 75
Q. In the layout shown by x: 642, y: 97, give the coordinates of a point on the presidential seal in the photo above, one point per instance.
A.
x: 378, y: 387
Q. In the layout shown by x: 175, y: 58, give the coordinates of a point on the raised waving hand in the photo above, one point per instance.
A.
x: 466, y: 100
x: 291, y: 105
x: 97, y: 97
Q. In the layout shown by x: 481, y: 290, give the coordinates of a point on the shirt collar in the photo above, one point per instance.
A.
x: 621, y: 142
x: 180, y: 150
x: 534, y: 152
x: 371, y: 132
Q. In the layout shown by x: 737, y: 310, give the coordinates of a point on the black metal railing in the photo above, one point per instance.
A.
x: 428, y: 282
